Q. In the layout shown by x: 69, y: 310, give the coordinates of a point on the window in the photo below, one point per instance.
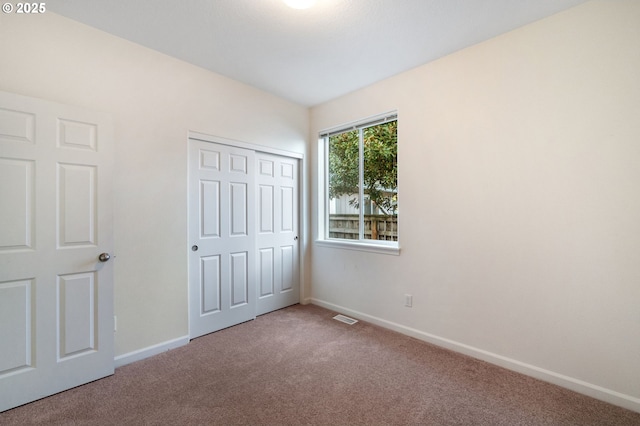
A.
x: 361, y: 182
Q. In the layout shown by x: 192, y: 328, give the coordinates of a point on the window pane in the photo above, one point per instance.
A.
x: 344, y: 189
x: 380, y: 181
x: 363, y: 182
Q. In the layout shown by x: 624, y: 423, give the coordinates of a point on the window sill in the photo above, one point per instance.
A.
x: 361, y: 246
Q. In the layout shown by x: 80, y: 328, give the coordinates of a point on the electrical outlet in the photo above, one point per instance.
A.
x: 408, y: 300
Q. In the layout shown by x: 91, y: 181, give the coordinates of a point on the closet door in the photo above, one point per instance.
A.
x: 277, y: 234
x: 222, y: 271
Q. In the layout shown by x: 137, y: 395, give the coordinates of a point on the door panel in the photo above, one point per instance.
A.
x: 56, y: 298
x: 287, y: 213
x: 17, y: 126
x: 210, y: 196
x: 239, y: 283
x: 266, y: 208
x: 239, y: 209
x: 277, y: 236
x: 76, y: 205
x: 17, y: 188
x: 16, y: 299
x: 221, y: 224
x: 288, y: 267
x: 265, y: 269
x: 76, y: 299
x: 210, y: 283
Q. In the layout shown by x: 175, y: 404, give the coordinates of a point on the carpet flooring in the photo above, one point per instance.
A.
x: 298, y: 366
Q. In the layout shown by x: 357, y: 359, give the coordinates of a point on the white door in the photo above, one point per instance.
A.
x: 56, y: 296
x: 277, y: 234
x: 222, y: 289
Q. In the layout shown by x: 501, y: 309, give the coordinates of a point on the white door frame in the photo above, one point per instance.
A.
x: 192, y: 135
x: 254, y: 147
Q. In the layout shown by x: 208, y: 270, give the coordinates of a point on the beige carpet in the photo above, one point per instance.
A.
x: 298, y: 366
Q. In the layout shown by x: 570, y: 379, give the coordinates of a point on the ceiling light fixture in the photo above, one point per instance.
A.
x: 300, y: 4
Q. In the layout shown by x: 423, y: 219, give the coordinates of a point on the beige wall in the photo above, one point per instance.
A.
x: 154, y: 101
x: 519, y: 170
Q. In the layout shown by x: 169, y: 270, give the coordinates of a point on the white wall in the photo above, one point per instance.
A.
x: 154, y: 101
x: 519, y: 171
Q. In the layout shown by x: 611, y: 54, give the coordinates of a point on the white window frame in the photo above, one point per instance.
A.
x: 375, y: 246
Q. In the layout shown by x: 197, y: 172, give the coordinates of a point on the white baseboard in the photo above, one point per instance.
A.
x: 576, y: 385
x: 143, y: 353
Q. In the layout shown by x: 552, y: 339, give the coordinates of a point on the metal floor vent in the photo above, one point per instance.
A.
x: 345, y: 319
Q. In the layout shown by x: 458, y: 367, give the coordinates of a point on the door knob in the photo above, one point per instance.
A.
x: 104, y: 257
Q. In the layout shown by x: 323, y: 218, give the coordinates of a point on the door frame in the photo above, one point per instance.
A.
x: 302, y: 220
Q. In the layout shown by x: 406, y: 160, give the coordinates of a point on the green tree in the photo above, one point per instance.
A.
x: 380, y: 171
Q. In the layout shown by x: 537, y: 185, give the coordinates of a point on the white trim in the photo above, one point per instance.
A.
x: 360, y: 245
x: 372, y: 120
x: 374, y: 246
x: 303, y: 231
x: 576, y: 385
x: 254, y: 147
x: 150, y: 351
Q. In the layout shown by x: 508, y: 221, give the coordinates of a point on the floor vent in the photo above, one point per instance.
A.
x: 345, y: 320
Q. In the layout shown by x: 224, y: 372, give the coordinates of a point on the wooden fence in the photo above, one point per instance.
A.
x: 376, y: 227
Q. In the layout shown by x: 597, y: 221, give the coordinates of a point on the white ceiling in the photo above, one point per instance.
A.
x: 307, y: 56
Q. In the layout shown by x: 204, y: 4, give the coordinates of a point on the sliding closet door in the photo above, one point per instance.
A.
x: 221, y: 237
x: 277, y: 233
x: 243, y: 234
